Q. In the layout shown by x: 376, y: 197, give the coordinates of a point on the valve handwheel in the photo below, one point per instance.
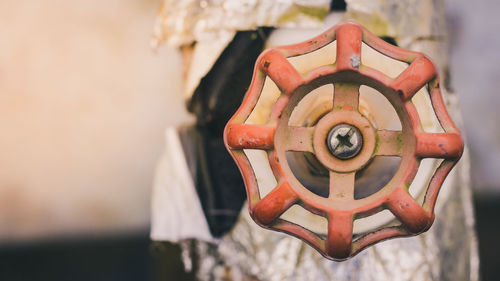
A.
x: 343, y: 141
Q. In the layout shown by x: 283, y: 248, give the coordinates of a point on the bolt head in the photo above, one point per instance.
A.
x: 344, y: 141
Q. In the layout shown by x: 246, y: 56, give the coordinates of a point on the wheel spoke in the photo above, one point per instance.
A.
x: 345, y: 96
x: 281, y: 71
x: 274, y: 204
x: 300, y: 139
x: 439, y: 145
x: 240, y: 136
x: 339, y: 240
x: 342, y: 185
x: 390, y: 143
x: 414, y: 77
x: 349, y: 47
x: 408, y: 211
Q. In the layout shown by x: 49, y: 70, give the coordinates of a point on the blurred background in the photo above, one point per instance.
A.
x: 84, y: 102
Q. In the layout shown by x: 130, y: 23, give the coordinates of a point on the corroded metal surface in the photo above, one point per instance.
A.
x: 412, y: 143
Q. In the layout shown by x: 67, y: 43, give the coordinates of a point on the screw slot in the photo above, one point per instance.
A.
x: 344, y: 141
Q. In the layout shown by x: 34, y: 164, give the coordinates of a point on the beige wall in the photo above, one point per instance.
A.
x: 83, y: 105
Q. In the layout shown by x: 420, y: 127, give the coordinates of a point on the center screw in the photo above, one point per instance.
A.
x: 344, y: 141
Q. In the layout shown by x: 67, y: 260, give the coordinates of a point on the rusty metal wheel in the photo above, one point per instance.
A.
x: 343, y: 141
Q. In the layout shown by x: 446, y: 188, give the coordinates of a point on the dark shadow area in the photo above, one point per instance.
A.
x: 135, y: 257
x: 309, y: 172
x: 488, y: 232
x: 375, y: 175
x: 120, y: 257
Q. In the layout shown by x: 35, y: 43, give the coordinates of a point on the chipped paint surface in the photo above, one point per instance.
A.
x: 183, y: 22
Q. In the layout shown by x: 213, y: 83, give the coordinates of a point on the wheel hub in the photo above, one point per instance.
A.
x: 344, y: 141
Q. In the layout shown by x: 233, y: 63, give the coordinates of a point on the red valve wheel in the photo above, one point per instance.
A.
x: 343, y: 141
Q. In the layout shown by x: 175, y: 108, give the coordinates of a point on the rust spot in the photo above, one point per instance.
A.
x: 443, y: 149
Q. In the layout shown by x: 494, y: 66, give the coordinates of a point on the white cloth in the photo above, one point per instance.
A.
x: 176, y: 209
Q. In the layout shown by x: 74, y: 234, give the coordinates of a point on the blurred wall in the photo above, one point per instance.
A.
x: 475, y: 69
x: 83, y: 104
x: 84, y: 101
